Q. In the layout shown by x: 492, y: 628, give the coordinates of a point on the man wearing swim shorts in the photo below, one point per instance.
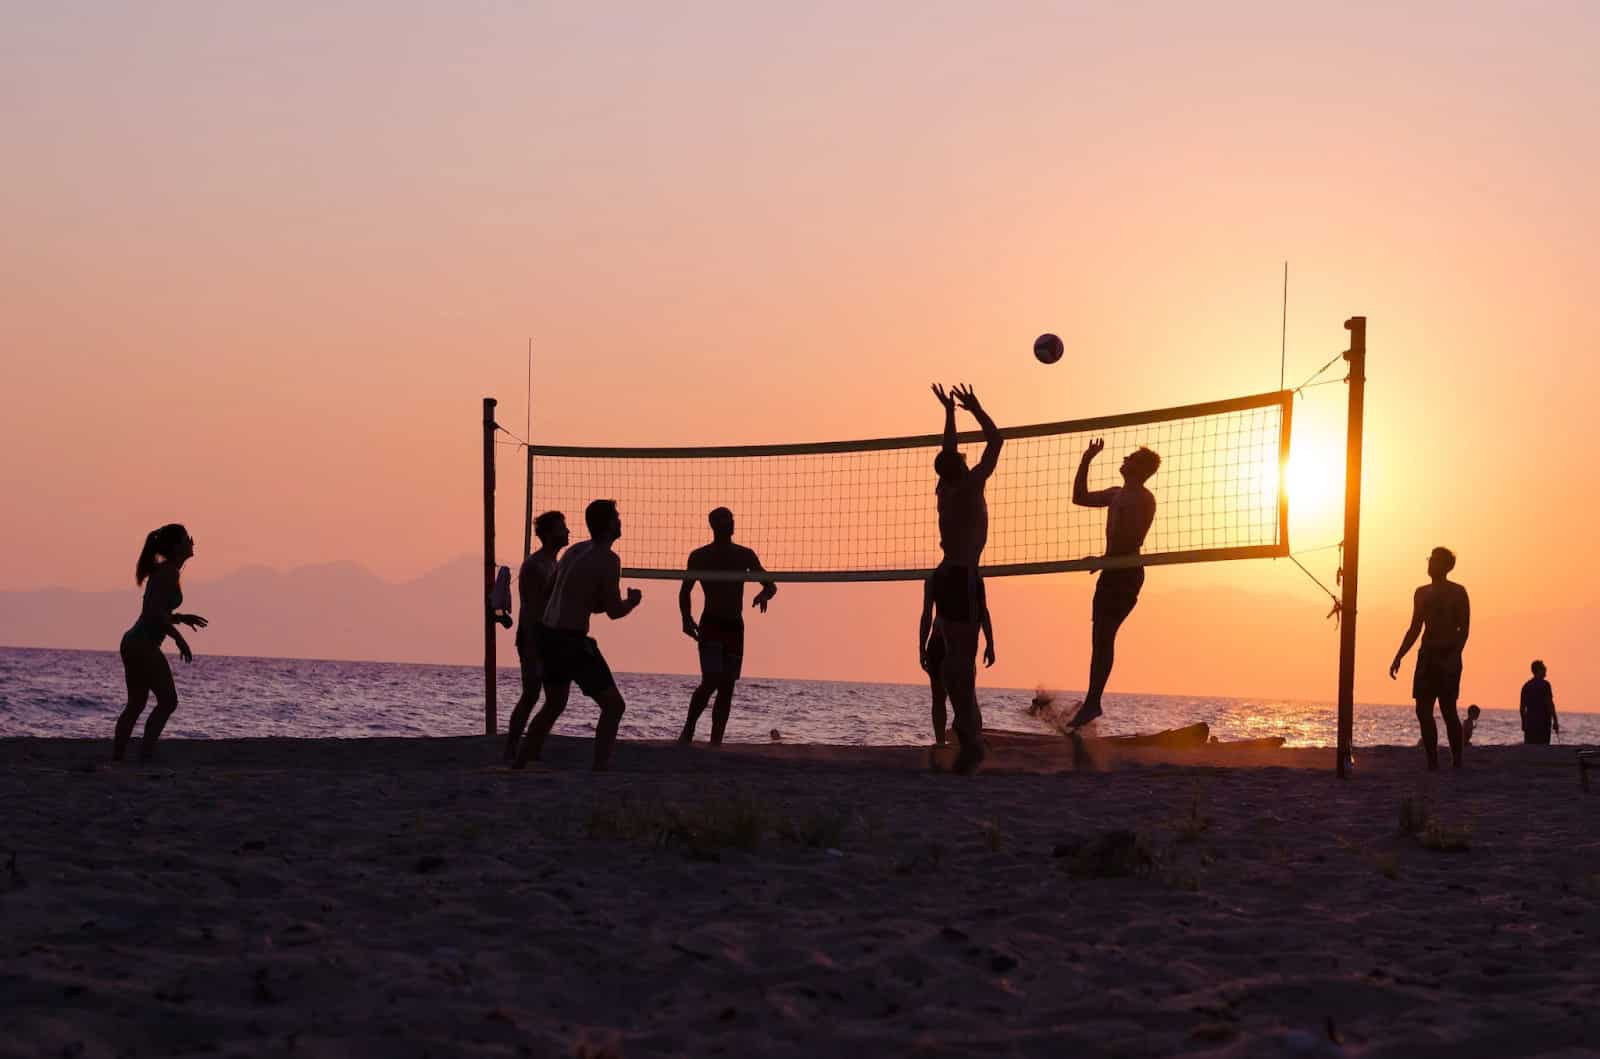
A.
x: 587, y: 581
x: 1131, y: 508
x: 720, y: 631
x: 1442, y: 615
x: 963, y: 532
x: 533, y: 592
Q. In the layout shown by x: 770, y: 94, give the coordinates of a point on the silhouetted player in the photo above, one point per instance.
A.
x: 1538, y: 708
x: 588, y: 581
x: 720, y: 632
x: 143, y: 664
x: 963, y: 531
x: 533, y: 592
x: 1131, y: 510
x: 931, y: 652
x: 1441, y: 614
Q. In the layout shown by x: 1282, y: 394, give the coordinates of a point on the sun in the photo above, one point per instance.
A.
x: 1314, y: 478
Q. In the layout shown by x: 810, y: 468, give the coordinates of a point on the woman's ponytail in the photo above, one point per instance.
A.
x: 147, y: 557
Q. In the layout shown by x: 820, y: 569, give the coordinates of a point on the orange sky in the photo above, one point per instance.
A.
x: 261, y: 265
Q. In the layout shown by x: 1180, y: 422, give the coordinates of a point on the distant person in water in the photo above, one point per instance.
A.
x: 1131, y: 508
x: 931, y: 650
x: 963, y: 532
x: 1470, y: 725
x: 720, y: 631
x: 587, y: 581
x: 533, y: 592
x: 143, y: 663
x: 1538, y: 708
x: 1442, y: 616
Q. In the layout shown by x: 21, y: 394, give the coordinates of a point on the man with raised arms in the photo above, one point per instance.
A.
x: 533, y: 592
x: 1131, y: 508
x: 587, y: 581
x: 1442, y: 615
x: 963, y: 531
x: 720, y: 631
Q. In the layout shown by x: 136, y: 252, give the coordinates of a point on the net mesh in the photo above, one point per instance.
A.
x: 867, y: 511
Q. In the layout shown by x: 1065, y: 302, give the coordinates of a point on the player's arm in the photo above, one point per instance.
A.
x: 1554, y: 721
x: 988, y: 637
x: 925, y: 625
x: 1412, y: 632
x: 615, y: 606
x: 949, y: 402
x: 992, y: 441
x: 1465, y: 625
x: 769, y: 587
x: 686, y: 604
x: 1081, y: 493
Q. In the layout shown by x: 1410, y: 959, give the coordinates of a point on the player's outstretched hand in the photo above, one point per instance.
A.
x: 944, y: 398
x: 194, y: 621
x: 1095, y: 448
x: 965, y: 397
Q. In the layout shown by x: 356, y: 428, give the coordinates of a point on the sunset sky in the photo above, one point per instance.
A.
x: 263, y: 262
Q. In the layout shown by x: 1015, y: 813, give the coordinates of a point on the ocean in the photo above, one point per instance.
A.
x: 79, y: 693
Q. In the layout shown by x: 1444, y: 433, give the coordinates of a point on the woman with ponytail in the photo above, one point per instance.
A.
x: 164, y: 553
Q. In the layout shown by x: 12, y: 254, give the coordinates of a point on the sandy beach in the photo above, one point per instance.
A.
x: 411, y: 898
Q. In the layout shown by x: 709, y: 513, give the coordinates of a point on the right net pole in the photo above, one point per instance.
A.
x: 1357, y: 356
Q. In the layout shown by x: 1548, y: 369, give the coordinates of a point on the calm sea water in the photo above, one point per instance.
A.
x: 79, y: 693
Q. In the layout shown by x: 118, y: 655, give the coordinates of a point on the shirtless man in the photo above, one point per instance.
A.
x: 720, y: 632
x: 533, y: 592
x: 931, y: 652
x: 1442, y: 615
x: 963, y: 531
x: 587, y: 581
x: 1131, y: 510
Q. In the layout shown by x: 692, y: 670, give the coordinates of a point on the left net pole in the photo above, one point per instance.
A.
x: 527, y: 508
x: 490, y: 721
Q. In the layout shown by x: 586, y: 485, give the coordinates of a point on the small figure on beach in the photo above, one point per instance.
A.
x: 144, y: 665
x: 1470, y: 724
x: 931, y: 649
x: 963, y: 532
x: 1538, y: 708
x: 588, y: 580
x: 1442, y: 615
x: 1131, y: 509
x: 720, y: 631
x: 533, y: 592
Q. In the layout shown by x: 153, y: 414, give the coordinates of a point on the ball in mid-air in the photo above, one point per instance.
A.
x: 1048, y: 348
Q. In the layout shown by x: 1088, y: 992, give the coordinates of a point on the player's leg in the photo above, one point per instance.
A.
x: 1430, y: 731
x: 1452, y: 729
x: 1115, y: 595
x: 940, y: 720
x: 135, y: 674
x: 556, y: 693
x: 166, y: 693
x: 605, y: 732
x: 960, y: 680
x: 732, y: 667
x: 710, y: 652
x: 532, y: 680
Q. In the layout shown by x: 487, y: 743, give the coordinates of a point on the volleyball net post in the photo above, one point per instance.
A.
x: 1350, y: 569
x: 490, y: 723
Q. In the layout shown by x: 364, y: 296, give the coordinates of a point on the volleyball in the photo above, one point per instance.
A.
x: 1048, y: 348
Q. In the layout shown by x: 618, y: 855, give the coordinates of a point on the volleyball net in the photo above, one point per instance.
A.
x: 866, y: 510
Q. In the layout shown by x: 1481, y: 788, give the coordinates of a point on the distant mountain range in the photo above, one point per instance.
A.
x: 1184, y: 640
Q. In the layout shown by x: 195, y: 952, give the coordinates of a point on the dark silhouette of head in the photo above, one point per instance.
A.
x: 1139, y: 465
x: 1440, y: 562
x: 1538, y: 669
x: 603, y: 521
x: 721, y: 520
x: 950, y: 465
x: 551, y: 529
x: 170, y: 544
x: 1473, y: 711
